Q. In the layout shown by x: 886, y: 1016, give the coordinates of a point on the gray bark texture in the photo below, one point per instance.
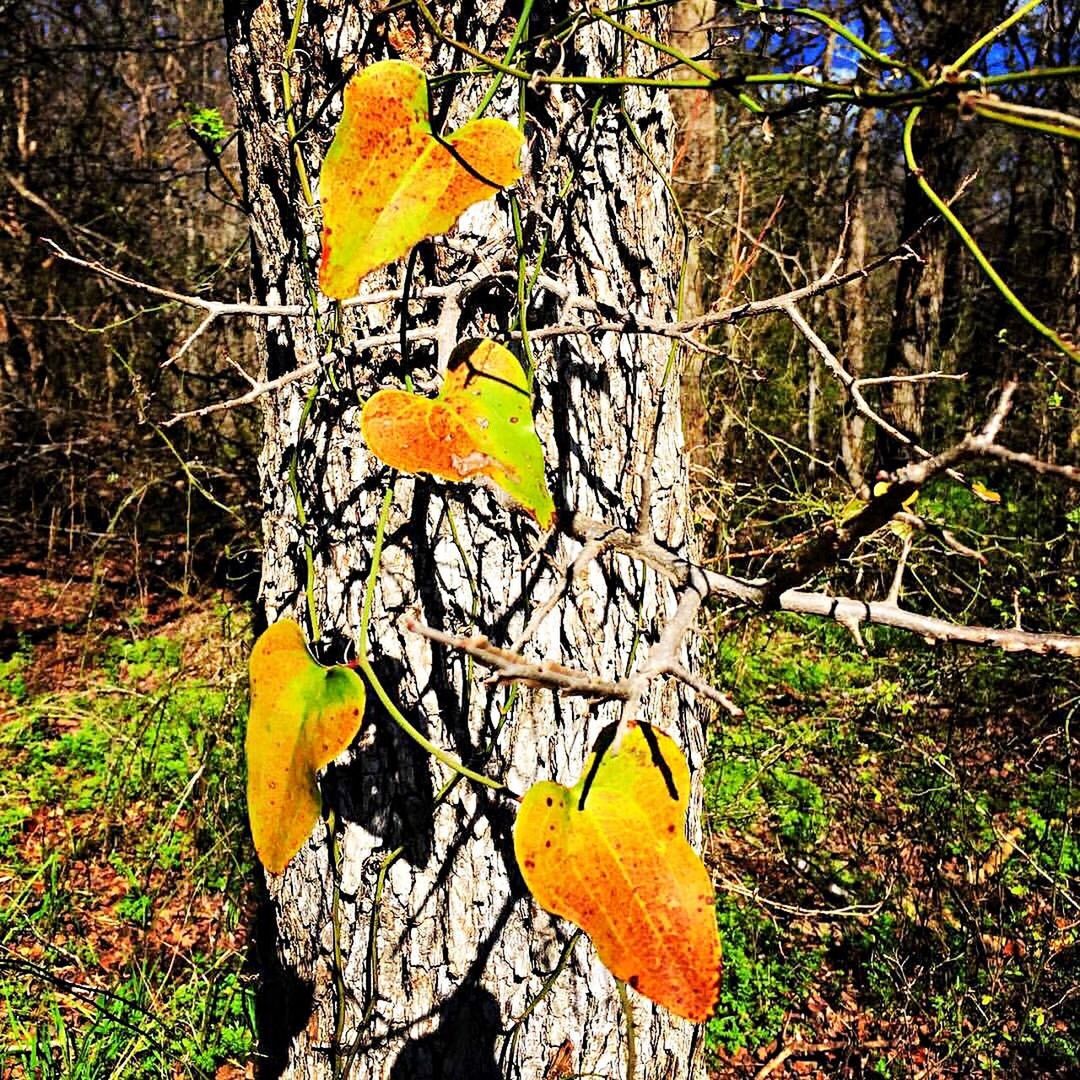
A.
x: 423, y: 955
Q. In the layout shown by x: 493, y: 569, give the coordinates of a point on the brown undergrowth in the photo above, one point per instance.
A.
x: 891, y: 832
x: 893, y: 836
x: 125, y: 867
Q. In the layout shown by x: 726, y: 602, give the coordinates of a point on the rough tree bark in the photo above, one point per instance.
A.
x: 440, y: 949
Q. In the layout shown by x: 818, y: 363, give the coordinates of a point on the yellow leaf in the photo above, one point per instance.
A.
x: 883, y: 485
x: 610, y: 854
x: 302, y: 716
x: 980, y: 490
x: 387, y: 182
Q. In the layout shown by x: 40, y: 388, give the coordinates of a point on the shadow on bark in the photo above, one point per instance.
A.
x: 453, y: 703
x: 283, y: 1001
x: 462, y: 1047
x: 386, y: 788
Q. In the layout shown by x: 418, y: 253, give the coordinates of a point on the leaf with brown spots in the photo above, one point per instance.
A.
x: 387, y: 182
x: 610, y: 855
x: 480, y: 425
x: 302, y: 716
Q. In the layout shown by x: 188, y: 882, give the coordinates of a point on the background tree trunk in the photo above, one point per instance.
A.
x: 917, y: 336
x: 855, y: 309
x: 440, y: 946
x: 922, y: 320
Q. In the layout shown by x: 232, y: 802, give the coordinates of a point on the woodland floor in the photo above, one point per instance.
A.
x: 891, y: 838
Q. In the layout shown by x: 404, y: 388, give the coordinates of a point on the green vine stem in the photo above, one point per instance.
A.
x: 287, y: 97
x: 364, y: 664
x: 701, y: 69
x: 371, y: 980
x: 335, y: 923
x: 508, y: 56
x: 371, y: 976
x: 1031, y: 75
x: 523, y: 292
x: 511, y: 1033
x: 847, y: 34
x: 313, y: 298
x: 554, y: 80
x: 301, y: 515
x: 999, y: 282
x: 996, y: 32
x: 838, y: 92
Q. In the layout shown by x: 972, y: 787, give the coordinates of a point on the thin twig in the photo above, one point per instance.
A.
x: 842, y: 609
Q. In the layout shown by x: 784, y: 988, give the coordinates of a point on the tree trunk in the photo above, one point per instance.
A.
x: 922, y: 324
x: 855, y: 309
x: 422, y: 955
x: 916, y: 337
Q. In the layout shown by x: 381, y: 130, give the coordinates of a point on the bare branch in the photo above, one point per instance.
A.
x: 590, y: 551
x: 924, y: 376
x: 512, y: 667
x: 662, y: 659
x: 610, y: 318
x: 836, y: 542
x: 1069, y: 473
x: 943, y: 534
x: 845, y: 610
x: 707, y: 690
x: 219, y: 308
x: 848, y: 381
x: 270, y: 385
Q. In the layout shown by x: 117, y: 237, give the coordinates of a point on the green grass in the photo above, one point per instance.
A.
x: 909, y: 822
x: 762, y: 982
x: 123, y: 862
x: 13, y: 671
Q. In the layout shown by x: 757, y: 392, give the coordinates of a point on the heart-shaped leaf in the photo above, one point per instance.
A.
x: 387, y: 182
x: 302, y: 716
x: 480, y: 425
x: 610, y: 855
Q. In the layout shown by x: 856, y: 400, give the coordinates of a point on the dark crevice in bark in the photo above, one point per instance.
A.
x: 365, y: 792
x: 500, y: 628
x: 283, y: 1001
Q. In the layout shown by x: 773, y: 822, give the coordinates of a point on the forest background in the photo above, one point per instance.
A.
x: 890, y: 823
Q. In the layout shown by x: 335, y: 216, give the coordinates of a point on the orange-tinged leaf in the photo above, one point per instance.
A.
x: 610, y: 854
x: 480, y: 425
x: 387, y: 182
x: 302, y: 716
